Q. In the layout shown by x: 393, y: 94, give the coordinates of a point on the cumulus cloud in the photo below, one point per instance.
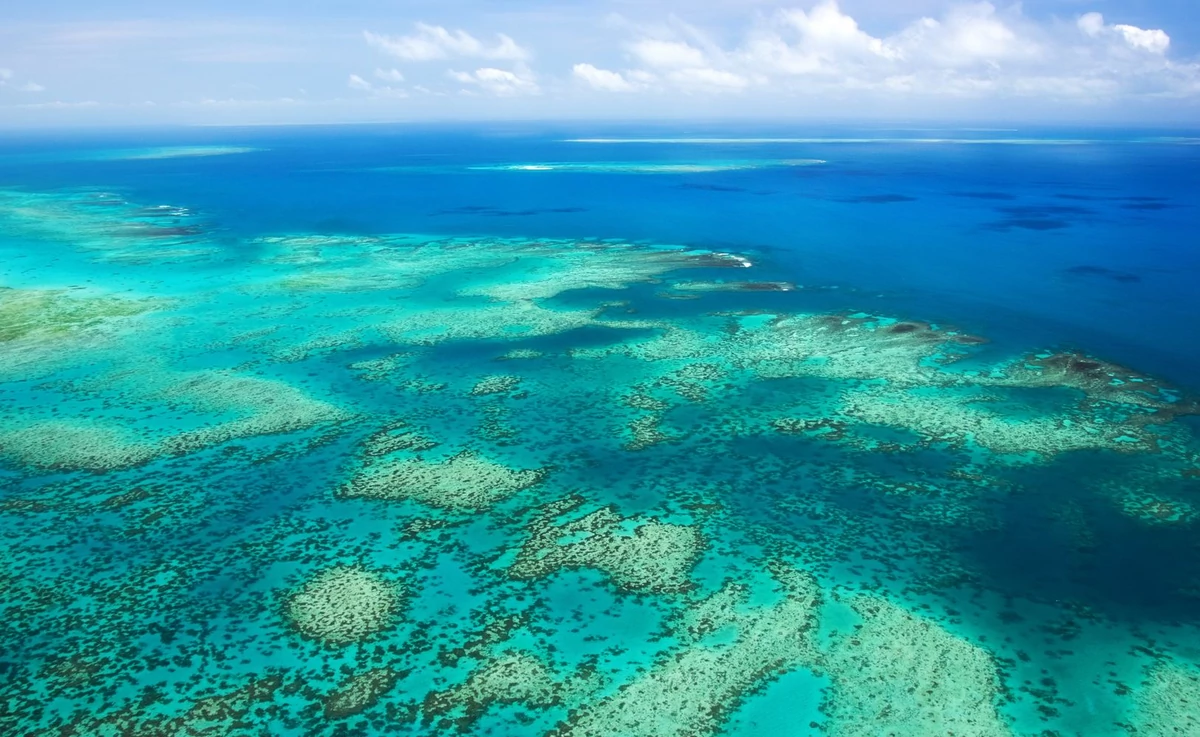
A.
x: 498, y: 82
x: 972, y: 49
x: 358, y: 83
x: 1155, y: 41
x: 602, y: 79
x: 432, y: 43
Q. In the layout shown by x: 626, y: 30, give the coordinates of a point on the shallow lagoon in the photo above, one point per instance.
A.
x: 344, y: 432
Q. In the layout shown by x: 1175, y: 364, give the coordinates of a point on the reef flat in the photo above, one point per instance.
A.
x: 345, y: 481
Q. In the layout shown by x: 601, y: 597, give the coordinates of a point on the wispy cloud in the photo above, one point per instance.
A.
x: 389, y: 75
x: 431, y: 43
x: 435, y: 43
x: 498, y: 82
x: 357, y: 83
x: 602, y: 79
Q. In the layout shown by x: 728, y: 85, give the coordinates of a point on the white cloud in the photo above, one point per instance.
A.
x: 828, y: 32
x: 498, y: 82
x: 389, y: 75
x: 972, y: 49
x: 356, y: 82
x: 5, y: 74
x: 667, y: 54
x: 602, y: 79
x: 431, y: 43
x: 968, y: 35
x: 1091, y: 23
x: 1154, y: 41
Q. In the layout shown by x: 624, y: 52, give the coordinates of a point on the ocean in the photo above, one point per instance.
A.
x: 571, y: 429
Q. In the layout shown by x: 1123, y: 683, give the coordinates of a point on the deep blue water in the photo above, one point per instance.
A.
x: 1090, y: 245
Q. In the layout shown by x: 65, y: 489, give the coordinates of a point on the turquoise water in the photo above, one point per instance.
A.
x: 526, y: 431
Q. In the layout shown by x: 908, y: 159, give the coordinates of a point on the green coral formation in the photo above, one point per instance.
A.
x: 106, y: 227
x: 692, y: 690
x: 466, y: 481
x: 520, y: 354
x: 49, y: 313
x: 1157, y: 509
x: 266, y: 407
x: 269, y: 407
x: 46, y: 329
x: 907, y: 375
x: 395, y: 439
x: 646, y: 432
x: 955, y: 418
x: 1169, y: 701
x: 511, y: 678
x: 899, y: 674
x: 218, y: 714
x: 75, y: 445
x: 344, y: 605
x: 495, y: 385
x: 360, y: 692
x: 500, y: 320
x: 637, y: 554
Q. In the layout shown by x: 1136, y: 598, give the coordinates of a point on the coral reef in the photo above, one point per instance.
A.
x: 518, y: 320
x: 328, y: 411
x: 510, y: 678
x: 495, y: 385
x: 693, y: 689
x: 272, y: 408
x: 212, y: 715
x: 900, y: 674
x: 1099, y: 381
x: 1156, y: 509
x: 344, y: 605
x: 106, y: 227
x: 645, y: 432
x: 74, y: 445
x: 954, y: 418
x: 1169, y: 701
x: 360, y: 692
x: 638, y: 554
x: 733, y: 286
x: 46, y: 313
x: 396, y: 439
x: 466, y: 481
x: 520, y: 354
x: 261, y: 407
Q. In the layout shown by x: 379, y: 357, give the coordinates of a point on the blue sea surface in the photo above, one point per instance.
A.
x: 598, y: 430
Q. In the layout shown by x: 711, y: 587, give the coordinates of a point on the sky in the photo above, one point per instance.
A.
x: 250, y: 62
